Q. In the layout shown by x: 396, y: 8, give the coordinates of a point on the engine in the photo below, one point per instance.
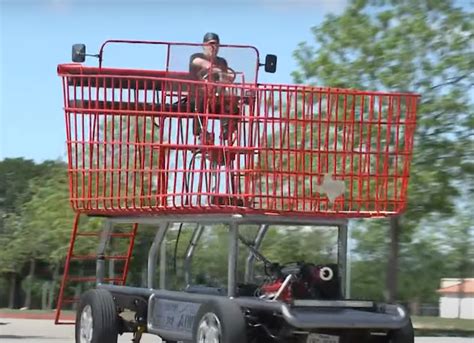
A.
x: 302, y: 281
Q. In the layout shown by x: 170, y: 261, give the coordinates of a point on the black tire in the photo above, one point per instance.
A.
x: 405, y: 334
x: 98, y: 303
x: 230, y: 318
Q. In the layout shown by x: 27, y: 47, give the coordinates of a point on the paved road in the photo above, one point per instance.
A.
x: 44, y: 331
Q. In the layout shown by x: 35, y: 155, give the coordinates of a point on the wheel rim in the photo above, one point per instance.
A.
x: 209, y: 329
x: 86, y: 327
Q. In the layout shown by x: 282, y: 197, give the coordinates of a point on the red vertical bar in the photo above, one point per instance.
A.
x: 112, y: 145
x: 174, y: 172
x: 351, y: 150
x: 345, y: 147
x: 335, y: 152
x: 163, y: 179
x: 143, y: 144
x: 136, y: 152
x: 396, y: 175
x: 169, y: 151
x: 290, y: 93
x: 378, y: 157
x: 67, y: 119
x: 129, y: 254
x: 293, y: 170
x: 120, y: 142
x: 302, y: 151
x: 128, y: 146
x: 81, y: 141
x: 97, y: 128
x: 360, y: 175
x: 277, y: 161
x: 66, y: 268
x: 326, y: 141
x: 386, y: 166
x: 319, y: 123
x: 311, y: 172
x: 284, y: 124
x: 152, y: 199
x: 106, y: 141
x: 74, y: 147
x: 369, y: 205
x: 186, y: 199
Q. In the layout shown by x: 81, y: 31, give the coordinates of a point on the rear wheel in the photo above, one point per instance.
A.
x: 97, y: 319
x: 219, y: 321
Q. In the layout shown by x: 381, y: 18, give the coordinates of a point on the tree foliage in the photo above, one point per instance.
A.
x: 423, y: 47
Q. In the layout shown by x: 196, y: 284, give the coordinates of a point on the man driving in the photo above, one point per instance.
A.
x: 207, y: 63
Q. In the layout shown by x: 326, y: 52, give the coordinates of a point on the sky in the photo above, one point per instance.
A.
x: 37, y: 35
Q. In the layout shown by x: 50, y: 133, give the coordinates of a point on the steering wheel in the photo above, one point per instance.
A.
x: 222, y: 76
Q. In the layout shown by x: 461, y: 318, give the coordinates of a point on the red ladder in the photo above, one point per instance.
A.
x: 71, y: 257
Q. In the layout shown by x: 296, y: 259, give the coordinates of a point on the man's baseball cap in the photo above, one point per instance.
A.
x: 210, y: 36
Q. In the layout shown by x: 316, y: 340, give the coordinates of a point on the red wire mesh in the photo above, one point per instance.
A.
x: 157, y: 142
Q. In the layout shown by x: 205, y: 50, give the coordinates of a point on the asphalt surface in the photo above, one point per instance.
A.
x: 44, y: 331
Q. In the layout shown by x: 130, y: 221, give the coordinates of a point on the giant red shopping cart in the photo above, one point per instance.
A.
x: 160, y: 143
x: 291, y: 149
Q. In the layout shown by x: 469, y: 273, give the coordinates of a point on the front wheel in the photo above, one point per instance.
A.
x: 219, y: 321
x: 97, y: 318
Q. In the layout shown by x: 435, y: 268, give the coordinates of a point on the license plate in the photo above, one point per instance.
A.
x: 318, y: 338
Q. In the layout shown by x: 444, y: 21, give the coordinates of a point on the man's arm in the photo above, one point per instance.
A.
x: 199, y: 64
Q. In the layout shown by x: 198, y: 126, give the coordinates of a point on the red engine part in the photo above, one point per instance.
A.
x: 272, y: 289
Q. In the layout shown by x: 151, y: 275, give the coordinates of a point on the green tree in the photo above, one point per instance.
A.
x: 32, y: 233
x: 16, y: 175
x: 412, y: 46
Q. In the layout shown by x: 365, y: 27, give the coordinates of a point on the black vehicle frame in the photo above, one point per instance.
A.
x: 232, y: 314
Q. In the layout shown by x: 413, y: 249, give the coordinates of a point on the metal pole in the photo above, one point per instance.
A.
x: 348, y: 263
x: 232, y: 262
x: 249, y: 268
x: 163, y: 265
x: 153, y: 253
x: 342, y: 258
x: 190, y: 251
x: 104, y: 241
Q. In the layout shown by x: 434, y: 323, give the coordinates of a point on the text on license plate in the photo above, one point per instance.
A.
x: 318, y: 338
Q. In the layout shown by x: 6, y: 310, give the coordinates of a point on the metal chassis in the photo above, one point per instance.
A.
x: 233, y: 221
x: 304, y: 316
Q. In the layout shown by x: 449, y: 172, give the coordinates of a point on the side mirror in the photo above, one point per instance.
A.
x: 270, y: 63
x: 79, y: 53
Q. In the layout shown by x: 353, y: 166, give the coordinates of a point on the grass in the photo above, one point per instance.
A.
x: 436, y: 324
x: 443, y: 323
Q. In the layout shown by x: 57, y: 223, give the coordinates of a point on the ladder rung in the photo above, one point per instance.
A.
x: 88, y: 234
x: 92, y: 279
x: 94, y: 257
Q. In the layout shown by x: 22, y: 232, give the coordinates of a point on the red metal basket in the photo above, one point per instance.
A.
x: 152, y: 142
